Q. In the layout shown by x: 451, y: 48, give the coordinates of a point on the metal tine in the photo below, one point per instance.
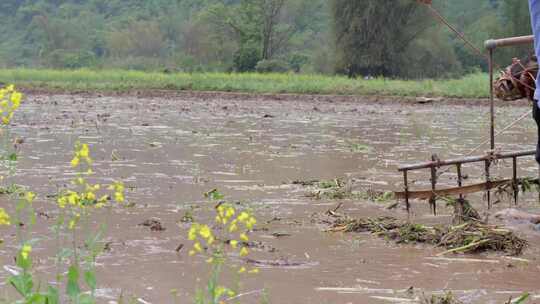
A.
x: 515, y: 187
x: 433, y: 200
x: 406, y: 183
x: 461, y: 206
x: 488, y: 180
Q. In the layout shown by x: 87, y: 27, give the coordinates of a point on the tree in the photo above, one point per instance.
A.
x: 370, y: 35
x: 258, y: 25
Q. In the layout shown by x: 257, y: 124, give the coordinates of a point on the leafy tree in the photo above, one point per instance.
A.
x: 378, y: 37
x: 370, y: 35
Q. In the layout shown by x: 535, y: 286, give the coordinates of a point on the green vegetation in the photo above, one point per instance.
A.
x: 78, y: 242
x: 217, y: 244
x: 470, y: 86
x: 302, y: 36
x: 180, y: 35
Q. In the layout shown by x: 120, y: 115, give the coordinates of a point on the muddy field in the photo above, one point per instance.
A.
x: 170, y: 149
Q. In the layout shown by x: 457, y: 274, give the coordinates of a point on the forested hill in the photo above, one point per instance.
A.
x: 312, y: 36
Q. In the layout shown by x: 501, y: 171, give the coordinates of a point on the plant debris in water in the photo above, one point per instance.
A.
x: 338, y: 189
x: 470, y: 237
x: 447, y: 298
x: 463, y: 210
x: 154, y: 224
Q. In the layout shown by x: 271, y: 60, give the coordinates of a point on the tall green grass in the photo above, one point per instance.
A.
x: 470, y: 86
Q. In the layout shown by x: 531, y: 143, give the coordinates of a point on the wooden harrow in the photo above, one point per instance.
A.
x: 488, y: 159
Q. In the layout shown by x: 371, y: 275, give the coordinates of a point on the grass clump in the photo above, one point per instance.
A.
x: 470, y: 86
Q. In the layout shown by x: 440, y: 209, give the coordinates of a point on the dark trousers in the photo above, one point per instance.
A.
x: 536, y: 116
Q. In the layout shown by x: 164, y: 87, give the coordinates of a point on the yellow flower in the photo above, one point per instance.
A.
x: 210, y: 260
x: 254, y: 271
x: 119, y: 197
x: 205, y: 232
x: 243, y: 216
x: 197, y: 246
x: 244, y: 251
x: 16, y: 99
x: 62, y: 201
x: 90, y: 196
x: 244, y: 237
x: 119, y: 187
x: 250, y: 223
x: 229, y: 212
x: 30, y: 196
x: 84, y: 152
x: 25, y: 251
x: 192, y: 234
x: 75, y: 161
x: 242, y: 270
x: 233, y: 243
x: 4, y: 217
x: 221, y: 210
x: 74, y: 221
x: 73, y: 198
x: 220, y: 290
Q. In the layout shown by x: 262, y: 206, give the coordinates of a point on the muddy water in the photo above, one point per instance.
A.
x: 171, y: 149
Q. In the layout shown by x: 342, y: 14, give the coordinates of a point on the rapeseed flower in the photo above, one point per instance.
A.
x: 25, y: 251
x: 4, y: 218
x: 10, y: 100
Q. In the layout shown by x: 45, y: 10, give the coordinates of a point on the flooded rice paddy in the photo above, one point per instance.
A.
x: 170, y: 149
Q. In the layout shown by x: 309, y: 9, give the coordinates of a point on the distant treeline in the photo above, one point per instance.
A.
x: 393, y: 38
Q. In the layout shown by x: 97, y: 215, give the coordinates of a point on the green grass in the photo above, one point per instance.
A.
x: 470, y: 86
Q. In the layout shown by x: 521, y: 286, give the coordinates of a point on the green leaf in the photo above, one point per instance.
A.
x: 36, y: 298
x: 72, y: 288
x: 52, y: 296
x: 90, y: 279
x: 86, y: 299
x: 23, y: 283
x: 12, y: 157
x: 25, y: 264
x: 521, y: 299
x: 214, y: 194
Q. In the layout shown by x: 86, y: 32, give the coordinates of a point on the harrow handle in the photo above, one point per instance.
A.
x: 495, y: 43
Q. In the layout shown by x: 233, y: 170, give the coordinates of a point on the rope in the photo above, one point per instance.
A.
x: 443, y: 20
x: 500, y: 132
x: 489, y: 139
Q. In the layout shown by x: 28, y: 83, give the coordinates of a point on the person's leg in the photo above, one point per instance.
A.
x: 536, y: 116
x: 534, y: 8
